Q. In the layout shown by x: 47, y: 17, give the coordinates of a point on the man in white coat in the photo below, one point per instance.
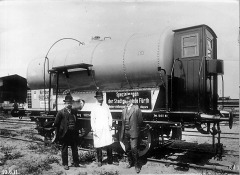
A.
x: 101, y: 123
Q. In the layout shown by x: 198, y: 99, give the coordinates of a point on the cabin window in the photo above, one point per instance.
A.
x: 209, y: 48
x: 190, y: 46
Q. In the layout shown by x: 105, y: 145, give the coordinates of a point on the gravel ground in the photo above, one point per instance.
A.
x: 19, y: 157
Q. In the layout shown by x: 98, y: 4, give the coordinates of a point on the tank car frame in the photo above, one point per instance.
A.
x: 187, y: 90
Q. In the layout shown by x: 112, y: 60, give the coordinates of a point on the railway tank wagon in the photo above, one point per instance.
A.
x: 172, y: 75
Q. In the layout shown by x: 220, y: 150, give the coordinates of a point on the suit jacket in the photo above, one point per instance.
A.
x: 62, y: 120
x: 135, y: 121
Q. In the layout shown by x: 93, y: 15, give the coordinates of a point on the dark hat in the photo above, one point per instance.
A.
x: 99, y: 94
x: 68, y: 98
x: 128, y: 96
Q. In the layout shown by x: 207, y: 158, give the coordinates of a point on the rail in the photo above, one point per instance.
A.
x: 229, y: 103
x: 44, y: 78
x: 187, y: 165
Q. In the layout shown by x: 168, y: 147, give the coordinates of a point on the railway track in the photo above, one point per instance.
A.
x: 16, y: 130
x: 190, y: 165
x: 209, y: 136
x: 30, y: 132
x: 16, y: 121
x: 198, y: 148
x: 20, y: 139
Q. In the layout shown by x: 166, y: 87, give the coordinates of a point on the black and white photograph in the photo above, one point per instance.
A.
x: 100, y: 87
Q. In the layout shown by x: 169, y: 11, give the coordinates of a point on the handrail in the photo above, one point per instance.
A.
x: 166, y: 87
x: 46, y: 58
x: 199, y: 74
x: 44, y: 76
x: 222, y: 92
x: 177, y: 59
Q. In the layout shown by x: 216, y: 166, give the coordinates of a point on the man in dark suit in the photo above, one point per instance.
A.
x: 131, y: 122
x: 65, y: 122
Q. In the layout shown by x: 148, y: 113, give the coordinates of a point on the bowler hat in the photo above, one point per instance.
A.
x: 68, y: 98
x: 98, y: 94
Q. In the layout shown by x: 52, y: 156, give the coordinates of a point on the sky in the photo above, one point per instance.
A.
x: 29, y: 28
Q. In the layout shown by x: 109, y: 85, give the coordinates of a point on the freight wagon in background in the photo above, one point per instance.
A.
x: 13, y: 88
x: 172, y: 75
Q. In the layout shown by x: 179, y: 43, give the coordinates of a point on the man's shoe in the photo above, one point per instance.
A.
x: 66, y: 167
x: 137, y: 169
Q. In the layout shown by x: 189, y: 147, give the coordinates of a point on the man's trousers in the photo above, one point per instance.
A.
x: 131, y: 145
x: 70, y: 139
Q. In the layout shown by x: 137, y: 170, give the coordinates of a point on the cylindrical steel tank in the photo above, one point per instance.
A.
x: 116, y: 64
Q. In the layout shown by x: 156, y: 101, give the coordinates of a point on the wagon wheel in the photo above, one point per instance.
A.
x: 14, y: 113
x: 50, y: 135
x: 145, y: 142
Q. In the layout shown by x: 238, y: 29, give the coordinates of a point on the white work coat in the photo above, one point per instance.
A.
x: 101, y: 123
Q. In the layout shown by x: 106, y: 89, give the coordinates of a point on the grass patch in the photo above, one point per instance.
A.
x: 15, y: 155
x: 52, y: 149
x: 35, y: 167
x: 7, y: 149
x: 8, y: 154
x: 4, y: 116
x: 82, y: 173
x: 32, y: 136
x: 104, y: 172
x: 52, y: 159
x: 33, y: 146
x: 28, y: 130
x: 87, y: 155
x: 13, y: 127
x: 43, y: 149
x: 7, y: 133
x: 59, y: 173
